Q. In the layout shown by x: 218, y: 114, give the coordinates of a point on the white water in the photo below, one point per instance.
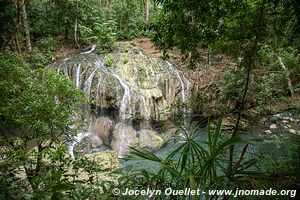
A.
x: 183, y: 91
x: 88, y: 83
x: 122, y: 142
x: 125, y: 102
x: 146, y: 112
x: 183, y: 94
x: 91, y: 50
x: 77, y: 75
x: 141, y: 53
x: 97, y: 93
x: 126, y: 99
x: 76, y: 139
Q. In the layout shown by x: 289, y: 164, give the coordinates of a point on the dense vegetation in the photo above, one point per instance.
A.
x: 261, y: 37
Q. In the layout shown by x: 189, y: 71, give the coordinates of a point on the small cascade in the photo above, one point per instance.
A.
x: 77, y: 75
x: 146, y: 111
x: 122, y: 140
x: 182, y: 84
x: 130, y: 98
x: 88, y: 83
x: 91, y: 50
x: 126, y: 97
x: 184, y: 89
x: 77, y: 139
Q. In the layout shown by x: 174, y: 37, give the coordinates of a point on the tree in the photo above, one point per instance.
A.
x: 238, y: 28
x: 21, y: 18
x: 147, y: 9
x: 35, y: 106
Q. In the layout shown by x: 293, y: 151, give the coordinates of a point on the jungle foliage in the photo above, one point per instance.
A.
x: 36, y: 104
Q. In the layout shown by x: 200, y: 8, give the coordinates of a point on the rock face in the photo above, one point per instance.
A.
x: 128, y: 95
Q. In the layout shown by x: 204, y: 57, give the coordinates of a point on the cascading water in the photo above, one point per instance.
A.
x: 129, y: 98
x: 183, y: 87
x: 91, y: 50
x: 125, y: 99
x: 88, y: 83
x: 77, y: 75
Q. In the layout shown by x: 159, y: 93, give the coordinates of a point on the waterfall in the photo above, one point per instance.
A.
x: 126, y: 97
x: 123, y: 139
x: 120, y: 91
x: 88, y: 83
x: 183, y: 90
x: 77, y: 138
x: 77, y: 75
x: 146, y: 112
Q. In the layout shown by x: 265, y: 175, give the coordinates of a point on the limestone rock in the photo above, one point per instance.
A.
x: 132, y: 83
x: 125, y: 136
x: 273, y: 126
x: 276, y: 117
x: 268, y: 132
x: 95, y: 140
x: 103, y: 128
x: 293, y: 131
x: 228, y: 123
x: 150, y: 140
x: 107, y: 159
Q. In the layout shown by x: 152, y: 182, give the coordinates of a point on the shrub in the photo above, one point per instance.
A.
x: 109, y: 60
x: 193, y: 164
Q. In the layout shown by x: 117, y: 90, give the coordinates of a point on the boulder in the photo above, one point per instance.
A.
x: 102, y: 127
x: 268, y: 132
x: 293, y: 131
x: 95, y: 140
x: 150, y: 140
x: 125, y: 136
x: 273, y: 126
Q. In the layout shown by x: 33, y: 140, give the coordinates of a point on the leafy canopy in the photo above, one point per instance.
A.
x: 35, y: 104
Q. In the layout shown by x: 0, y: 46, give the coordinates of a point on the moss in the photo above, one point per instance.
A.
x: 125, y: 60
x: 109, y: 60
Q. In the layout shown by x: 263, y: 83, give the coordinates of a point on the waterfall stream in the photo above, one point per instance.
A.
x: 129, y: 97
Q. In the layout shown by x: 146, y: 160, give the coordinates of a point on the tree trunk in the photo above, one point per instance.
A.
x: 17, y: 25
x: 15, y: 36
x: 76, y: 27
x: 287, y: 76
x: 26, y: 28
x: 147, y: 8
